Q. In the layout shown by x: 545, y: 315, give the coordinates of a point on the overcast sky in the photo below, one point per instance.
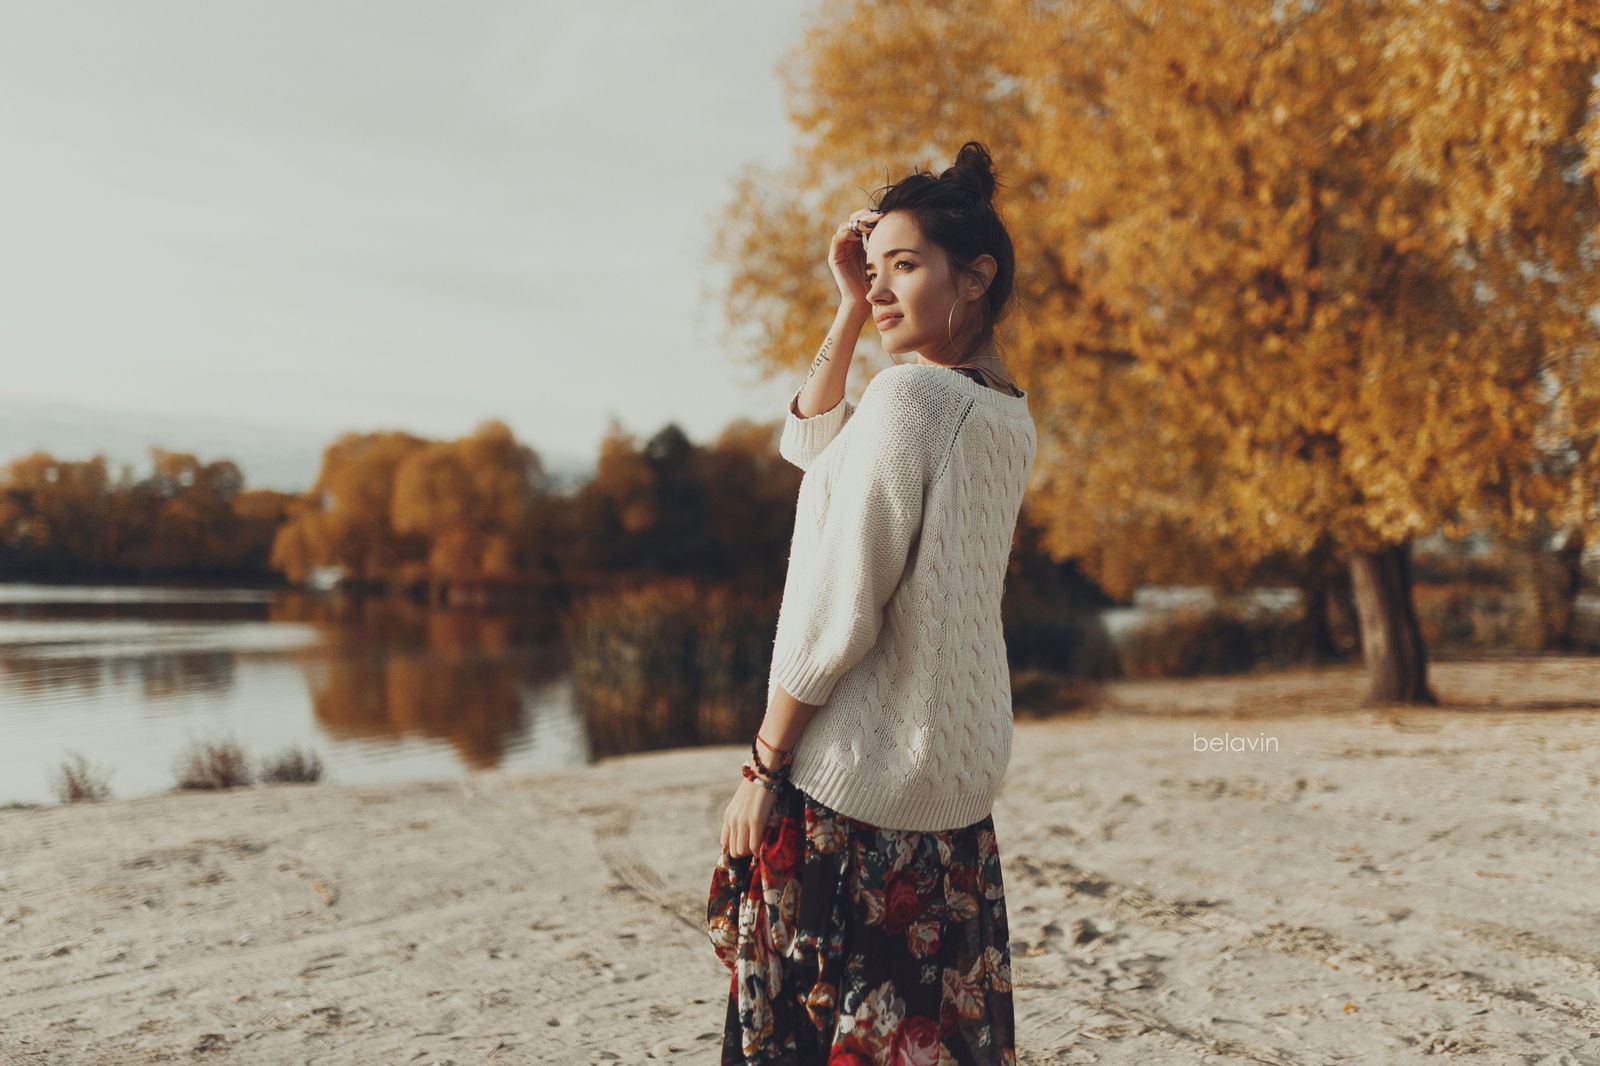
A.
x: 243, y: 228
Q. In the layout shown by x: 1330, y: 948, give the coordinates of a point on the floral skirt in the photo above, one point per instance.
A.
x: 854, y: 945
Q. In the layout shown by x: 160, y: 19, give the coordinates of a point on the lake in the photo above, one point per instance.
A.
x: 380, y: 689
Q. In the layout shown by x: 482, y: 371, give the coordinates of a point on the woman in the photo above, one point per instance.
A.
x: 858, y: 899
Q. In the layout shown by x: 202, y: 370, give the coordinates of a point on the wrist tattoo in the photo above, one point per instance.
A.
x: 822, y: 356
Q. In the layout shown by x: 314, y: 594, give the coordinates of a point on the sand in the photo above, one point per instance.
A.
x: 1383, y: 886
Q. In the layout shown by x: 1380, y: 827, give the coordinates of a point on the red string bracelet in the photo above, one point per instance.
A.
x: 781, y: 771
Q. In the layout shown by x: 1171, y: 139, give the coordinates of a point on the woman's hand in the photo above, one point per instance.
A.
x: 847, y: 256
x: 745, y: 819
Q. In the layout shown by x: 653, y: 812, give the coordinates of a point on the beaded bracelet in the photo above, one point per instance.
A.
x: 771, y: 785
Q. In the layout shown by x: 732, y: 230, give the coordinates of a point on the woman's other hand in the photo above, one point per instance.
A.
x: 745, y: 819
x: 847, y: 256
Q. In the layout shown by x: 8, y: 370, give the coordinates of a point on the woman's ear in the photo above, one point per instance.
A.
x: 986, y: 267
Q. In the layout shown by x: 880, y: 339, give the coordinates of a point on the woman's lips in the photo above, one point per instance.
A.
x: 886, y: 322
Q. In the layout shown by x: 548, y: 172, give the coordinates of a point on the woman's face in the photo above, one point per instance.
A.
x: 911, y: 290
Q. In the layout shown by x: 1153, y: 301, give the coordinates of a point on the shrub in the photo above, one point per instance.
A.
x: 1037, y: 693
x: 1189, y: 642
x: 77, y: 782
x: 1066, y: 640
x: 669, y: 663
x: 292, y: 765
x: 1468, y: 615
x: 212, y: 764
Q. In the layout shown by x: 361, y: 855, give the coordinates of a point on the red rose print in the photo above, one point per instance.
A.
x: 916, y: 1043
x: 781, y: 854
x: 843, y: 1056
x: 901, y: 902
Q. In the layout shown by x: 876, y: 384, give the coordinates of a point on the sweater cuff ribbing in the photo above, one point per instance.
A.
x: 804, y: 437
x: 802, y: 678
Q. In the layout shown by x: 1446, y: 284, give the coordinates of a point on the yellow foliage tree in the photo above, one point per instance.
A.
x: 1291, y: 279
x: 344, y: 520
x: 471, y: 499
x: 194, y: 520
x: 60, y: 513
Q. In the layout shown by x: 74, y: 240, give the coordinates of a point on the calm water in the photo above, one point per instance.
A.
x: 382, y: 691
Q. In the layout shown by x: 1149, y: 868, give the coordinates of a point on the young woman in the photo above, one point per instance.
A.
x: 857, y: 900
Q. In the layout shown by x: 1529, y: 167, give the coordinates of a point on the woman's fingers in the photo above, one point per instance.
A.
x: 860, y: 221
x: 732, y: 834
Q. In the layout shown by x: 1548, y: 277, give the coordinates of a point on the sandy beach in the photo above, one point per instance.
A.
x: 1372, y: 886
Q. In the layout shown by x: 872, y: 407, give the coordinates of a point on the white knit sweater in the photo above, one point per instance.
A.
x: 890, y: 618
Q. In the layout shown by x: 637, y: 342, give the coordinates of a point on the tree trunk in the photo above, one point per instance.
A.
x: 1318, y: 635
x: 1568, y: 581
x: 1547, y: 581
x: 1330, y: 616
x: 1391, y: 640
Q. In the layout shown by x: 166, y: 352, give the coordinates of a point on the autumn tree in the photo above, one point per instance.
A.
x: 666, y: 506
x: 186, y: 517
x: 471, y: 500
x: 191, y: 520
x: 1292, y: 278
x: 645, y: 507
x: 402, y: 511
x: 749, y: 493
x: 344, y: 520
x: 611, y: 517
x: 54, y: 515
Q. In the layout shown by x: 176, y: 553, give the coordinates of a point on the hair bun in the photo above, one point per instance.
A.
x: 975, y: 169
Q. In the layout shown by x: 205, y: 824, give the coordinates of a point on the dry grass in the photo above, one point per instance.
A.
x: 668, y: 663
x: 77, y: 782
x: 297, y: 765
x: 211, y: 764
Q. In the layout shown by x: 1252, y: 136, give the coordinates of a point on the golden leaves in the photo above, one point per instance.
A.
x: 1252, y: 249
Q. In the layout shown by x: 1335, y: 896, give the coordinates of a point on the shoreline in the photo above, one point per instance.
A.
x: 1387, y: 885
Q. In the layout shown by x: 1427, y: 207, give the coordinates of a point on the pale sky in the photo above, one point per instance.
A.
x: 243, y: 228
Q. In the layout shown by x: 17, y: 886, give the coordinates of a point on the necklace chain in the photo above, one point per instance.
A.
x: 986, y: 371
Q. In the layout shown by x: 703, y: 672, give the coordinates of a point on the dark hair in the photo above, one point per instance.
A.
x: 956, y: 212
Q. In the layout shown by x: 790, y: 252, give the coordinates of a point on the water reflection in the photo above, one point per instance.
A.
x: 388, y: 669
x: 381, y: 689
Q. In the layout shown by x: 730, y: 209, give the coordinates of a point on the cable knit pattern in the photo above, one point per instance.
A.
x: 891, y: 608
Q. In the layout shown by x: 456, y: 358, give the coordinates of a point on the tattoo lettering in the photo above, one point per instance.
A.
x: 822, y: 357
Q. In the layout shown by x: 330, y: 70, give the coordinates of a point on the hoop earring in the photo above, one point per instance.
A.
x: 950, y: 331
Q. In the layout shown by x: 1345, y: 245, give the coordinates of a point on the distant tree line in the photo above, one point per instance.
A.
x: 64, y: 519
x: 468, y: 520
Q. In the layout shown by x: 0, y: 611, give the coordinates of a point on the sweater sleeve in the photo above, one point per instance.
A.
x: 872, y: 515
x: 804, y: 438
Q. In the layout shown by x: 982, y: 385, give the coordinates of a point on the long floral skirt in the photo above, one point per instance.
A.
x: 854, y: 945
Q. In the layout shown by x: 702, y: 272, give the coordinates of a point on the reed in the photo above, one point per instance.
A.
x: 212, y: 764
x: 292, y: 765
x: 77, y: 782
x: 670, y: 662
